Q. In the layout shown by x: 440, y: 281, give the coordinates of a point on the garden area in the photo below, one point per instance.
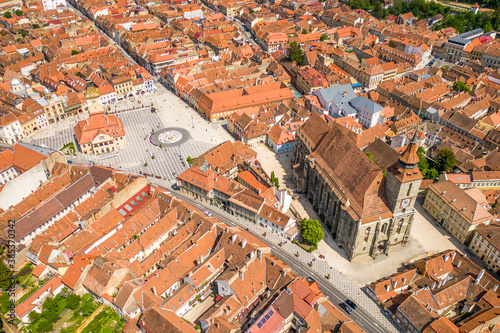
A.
x: 64, y: 313
x: 68, y: 149
x: 107, y: 321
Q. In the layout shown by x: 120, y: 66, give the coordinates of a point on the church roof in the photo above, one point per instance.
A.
x: 353, y: 173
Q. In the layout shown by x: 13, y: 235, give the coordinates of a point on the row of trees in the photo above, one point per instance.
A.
x: 466, y: 21
x: 419, y: 8
x: 8, y: 14
x: 461, y: 22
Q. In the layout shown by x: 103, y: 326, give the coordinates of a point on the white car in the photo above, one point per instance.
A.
x: 207, y: 213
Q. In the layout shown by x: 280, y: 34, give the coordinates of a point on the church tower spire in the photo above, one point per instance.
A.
x: 409, y: 159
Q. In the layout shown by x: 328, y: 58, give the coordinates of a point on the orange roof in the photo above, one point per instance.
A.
x: 87, y: 130
x: 252, y: 181
x: 38, y: 270
x: 29, y: 304
x: 75, y: 270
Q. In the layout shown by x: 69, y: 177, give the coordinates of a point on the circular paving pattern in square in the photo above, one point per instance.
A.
x: 169, y: 137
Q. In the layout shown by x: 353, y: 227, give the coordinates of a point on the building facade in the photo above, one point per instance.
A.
x: 486, y: 244
x: 459, y: 211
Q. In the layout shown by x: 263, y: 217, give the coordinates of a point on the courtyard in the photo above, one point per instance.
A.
x: 139, y: 155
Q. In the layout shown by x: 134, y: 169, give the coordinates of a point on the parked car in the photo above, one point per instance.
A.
x: 207, y: 213
x: 345, y: 307
x: 321, y: 256
x: 351, y: 304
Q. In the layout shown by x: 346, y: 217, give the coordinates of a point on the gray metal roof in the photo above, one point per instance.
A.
x: 362, y: 102
x: 38, y: 149
x: 331, y: 94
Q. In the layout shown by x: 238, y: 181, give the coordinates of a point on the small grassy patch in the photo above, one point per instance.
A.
x: 25, y: 296
x: 107, y: 321
x: 69, y: 149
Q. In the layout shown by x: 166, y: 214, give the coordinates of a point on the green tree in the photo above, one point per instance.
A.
x: 86, y: 307
x: 7, y: 14
x: 304, y: 31
x: 4, y: 303
x: 33, y: 316
x: 295, y: 52
x: 44, y: 325
x: 445, y: 160
x: 392, y: 44
x: 431, y: 174
x: 19, y: 12
x: 461, y: 86
x: 73, y: 301
x: 378, y: 11
x: 311, y: 231
x: 275, y: 180
x: 73, y: 52
x: 323, y: 37
x: 22, y: 32
x: 35, y: 26
x: 5, y: 276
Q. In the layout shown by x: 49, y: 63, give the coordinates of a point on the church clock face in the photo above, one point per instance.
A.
x: 405, y: 203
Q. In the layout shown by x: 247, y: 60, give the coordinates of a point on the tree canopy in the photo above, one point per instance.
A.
x: 7, y: 14
x: 295, y: 52
x: 275, y: 180
x: 5, y: 276
x: 428, y: 171
x: 445, y: 160
x: 311, y: 231
x: 461, y: 86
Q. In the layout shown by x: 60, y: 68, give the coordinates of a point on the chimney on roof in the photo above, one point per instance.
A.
x: 387, y: 288
x: 259, y: 255
x: 459, y: 263
x: 453, y: 255
x: 433, y: 285
x: 445, y: 258
x: 154, y: 290
x: 241, y: 275
x: 495, y: 287
x: 233, y: 238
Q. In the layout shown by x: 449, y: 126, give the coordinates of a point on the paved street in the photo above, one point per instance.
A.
x: 368, y: 316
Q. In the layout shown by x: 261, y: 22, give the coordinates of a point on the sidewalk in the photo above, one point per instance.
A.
x: 337, y: 279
